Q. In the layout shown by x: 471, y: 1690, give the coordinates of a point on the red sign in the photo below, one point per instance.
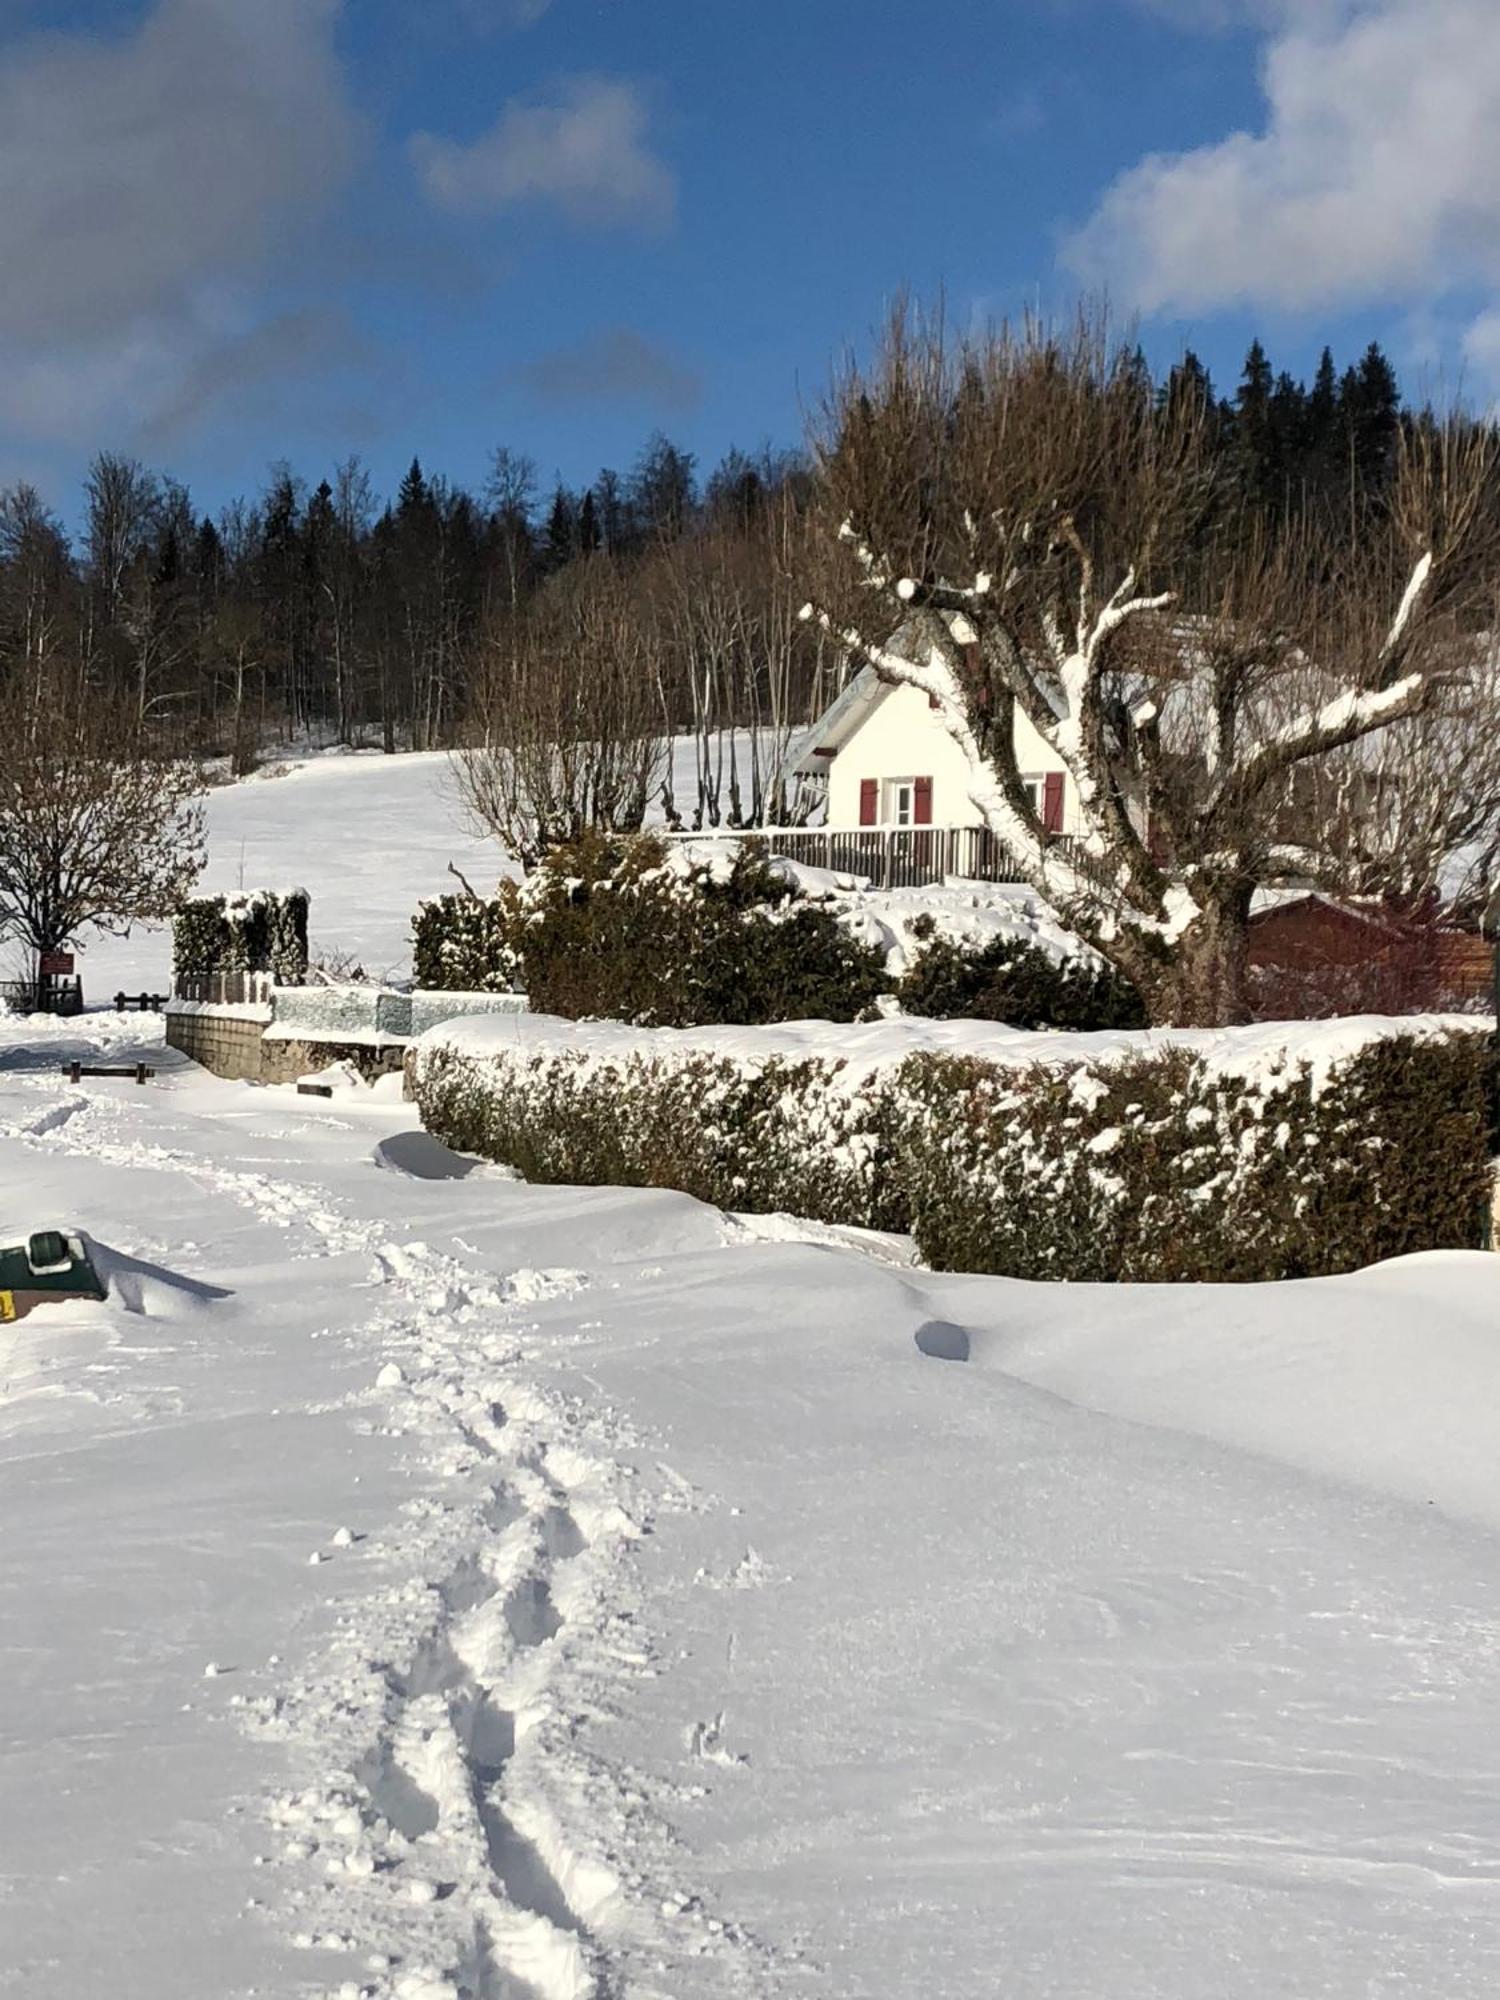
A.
x: 56, y: 964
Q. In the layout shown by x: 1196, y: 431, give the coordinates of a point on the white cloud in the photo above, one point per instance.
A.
x: 149, y: 182
x: 583, y: 151
x: 1376, y: 176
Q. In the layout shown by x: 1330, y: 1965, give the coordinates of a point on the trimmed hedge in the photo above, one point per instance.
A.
x: 630, y: 928
x: 784, y: 1134
x: 462, y: 945
x: 253, y: 930
x: 1153, y: 1167
x: 1162, y: 1168
x: 1019, y: 984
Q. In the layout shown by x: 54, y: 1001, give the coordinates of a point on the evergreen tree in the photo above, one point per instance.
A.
x: 1372, y: 416
x: 588, y: 525
x: 1253, y: 431
x: 662, y: 489
x: 560, y: 536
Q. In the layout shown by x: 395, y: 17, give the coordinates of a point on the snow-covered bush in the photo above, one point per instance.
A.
x: 642, y: 930
x: 251, y: 930
x: 1169, y: 1167
x: 1006, y: 980
x: 462, y: 945
x: 757, y: 1136
x: 1125, y: 1157
x: 672, y: 934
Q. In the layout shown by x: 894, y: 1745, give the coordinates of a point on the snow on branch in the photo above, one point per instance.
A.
x: 1350, y: 715
x: 877, y: 576
x: 1416, y: 585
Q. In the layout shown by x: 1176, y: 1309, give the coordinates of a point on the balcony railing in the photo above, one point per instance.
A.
x: 898, y: 857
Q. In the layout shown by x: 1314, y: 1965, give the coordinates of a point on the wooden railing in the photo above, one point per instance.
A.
x: 897, y: 857
x: 48, y: 995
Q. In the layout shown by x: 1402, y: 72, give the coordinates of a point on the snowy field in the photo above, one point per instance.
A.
x: 420, y: 1587
x: 369, y: 836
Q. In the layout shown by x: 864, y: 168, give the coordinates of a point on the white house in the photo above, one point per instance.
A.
x: 887, y: 761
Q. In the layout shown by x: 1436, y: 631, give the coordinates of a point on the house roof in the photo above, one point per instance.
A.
x: 839, y: 722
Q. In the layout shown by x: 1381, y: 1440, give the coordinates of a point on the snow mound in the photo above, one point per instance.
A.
x: 1388, y: 1378
x: 151, y: 1289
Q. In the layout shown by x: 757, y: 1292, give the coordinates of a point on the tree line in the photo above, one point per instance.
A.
x: 323, y: 609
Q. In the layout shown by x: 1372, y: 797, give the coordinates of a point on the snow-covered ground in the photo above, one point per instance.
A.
x: 425, y: 1586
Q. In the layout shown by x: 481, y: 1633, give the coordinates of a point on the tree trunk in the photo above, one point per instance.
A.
x: 1204, y: 985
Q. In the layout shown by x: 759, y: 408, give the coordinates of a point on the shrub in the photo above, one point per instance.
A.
x: 1011, y: 981
x: 1165, y: 1168
x: 253, y: 930
x: 1151, y: 1164
x: 462, y: 946
x: 767, y: 1136
x: 630, y: 929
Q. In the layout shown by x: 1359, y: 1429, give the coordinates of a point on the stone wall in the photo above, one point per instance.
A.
x: 235, y: 1044
x: 224, y: 1042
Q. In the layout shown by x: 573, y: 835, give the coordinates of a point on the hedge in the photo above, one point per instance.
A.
x: 1140, y: 1164
x: 1008, y: 980
x: 636, y: 929
x: 252, y: 930
x: 629, y: 928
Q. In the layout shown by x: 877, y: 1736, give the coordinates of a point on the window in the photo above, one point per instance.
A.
x: 908, y: 802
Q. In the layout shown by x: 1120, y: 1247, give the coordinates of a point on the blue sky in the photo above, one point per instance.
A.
x: 247, y: 229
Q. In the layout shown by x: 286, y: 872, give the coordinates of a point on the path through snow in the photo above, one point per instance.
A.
x: 425, y: 1587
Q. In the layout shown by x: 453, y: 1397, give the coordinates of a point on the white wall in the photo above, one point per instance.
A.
x: 903, y: 738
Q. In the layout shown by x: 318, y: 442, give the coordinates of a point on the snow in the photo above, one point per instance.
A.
x: 865, y: 1047
x: 368, y: 835
x: 424, y: 1586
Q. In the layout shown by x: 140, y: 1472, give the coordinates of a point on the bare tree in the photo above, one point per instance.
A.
x: 1042, y: 534
x: 96, y: 831
x: 742, y: 663
x: 35, y: 575
x: 123, y: 501
x: 565, y: 726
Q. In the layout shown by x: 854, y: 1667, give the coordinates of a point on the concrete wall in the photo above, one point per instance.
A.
x: 904, y: 738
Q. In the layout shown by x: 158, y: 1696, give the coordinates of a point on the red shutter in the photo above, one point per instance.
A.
x: 1052, y: 802
x: 869, y: 801
x: 922, y: 801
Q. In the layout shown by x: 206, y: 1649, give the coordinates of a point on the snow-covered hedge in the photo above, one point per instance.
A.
x: 699, y: 933
x: 252, y: 930
x: 1258, y: 1153
x: 638, y: 929
x: 462, y: 945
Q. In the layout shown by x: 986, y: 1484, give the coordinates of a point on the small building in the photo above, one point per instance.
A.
x: 883, y: 759
x: 1314, y: 956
